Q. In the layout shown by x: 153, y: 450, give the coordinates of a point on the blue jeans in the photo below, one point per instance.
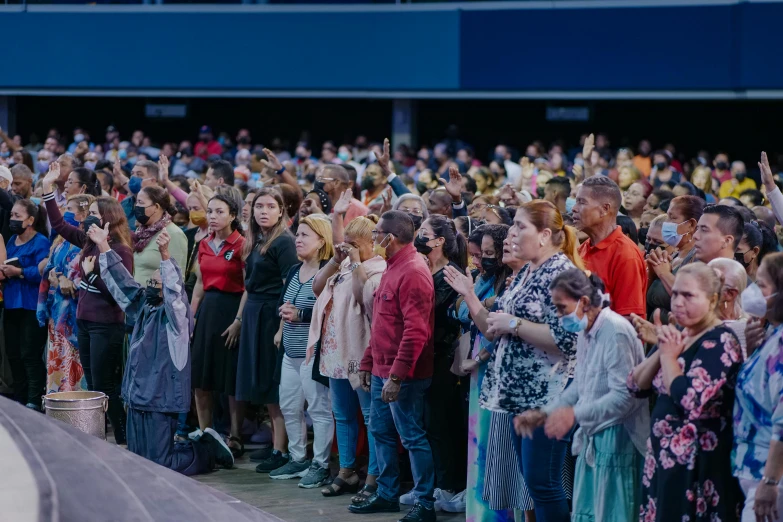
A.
x: 406, y: 417
x: 345, y: 402
x: 541, y: 460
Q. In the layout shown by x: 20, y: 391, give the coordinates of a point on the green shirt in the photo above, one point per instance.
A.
x: 148, y: 260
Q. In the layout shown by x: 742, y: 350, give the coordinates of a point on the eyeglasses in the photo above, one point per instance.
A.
x: 414, y: 211
x: 325, y: 180
x: 153, y: 283
x: 375, y: 233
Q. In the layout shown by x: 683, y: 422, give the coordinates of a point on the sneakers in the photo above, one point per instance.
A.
x: 316, y: 477
x: 419, y: 514
x: 455, y: 505
x: 223, y: 455
x: 291, y: 470
x: 408, y: 499
x: 276, y: 460
x: 260, y: 455
x: 441, y: 497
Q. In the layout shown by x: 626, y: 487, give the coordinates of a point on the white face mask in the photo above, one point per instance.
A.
x: 754, y: 302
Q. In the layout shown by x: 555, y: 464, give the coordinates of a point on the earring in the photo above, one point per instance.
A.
x: 725, y: 305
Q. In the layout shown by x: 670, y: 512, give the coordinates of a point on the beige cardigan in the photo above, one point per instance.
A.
x: 353, y: 318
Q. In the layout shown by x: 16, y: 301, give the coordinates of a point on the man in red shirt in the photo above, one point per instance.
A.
x: 397, y: 369
x: 206, y: 146
x: 608, y: 252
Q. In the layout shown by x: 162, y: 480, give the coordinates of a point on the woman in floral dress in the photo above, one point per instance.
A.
x: 56, y: 310
x: 687, y: 469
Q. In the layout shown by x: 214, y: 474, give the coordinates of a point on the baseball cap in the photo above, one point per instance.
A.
x: 205, y: 129
x: 5, y: 173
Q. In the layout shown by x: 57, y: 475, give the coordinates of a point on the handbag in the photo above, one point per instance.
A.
x: 461, y: 353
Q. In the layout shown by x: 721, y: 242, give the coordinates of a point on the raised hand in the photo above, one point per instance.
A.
x: 162, y: 241
x: 508, y: 195
x: 344, y: 203
x: 163, y: 168
x: 587, y: 150
x: 454, y: 184
x: 271, y: 161
x: 99, y: 235
x: 51, y: 177
x: 384, y: 158
x: 461, y: 283
x: 386, y: 195
x: 766, y: 173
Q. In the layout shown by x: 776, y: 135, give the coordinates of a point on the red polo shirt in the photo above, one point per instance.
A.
x: 620, y: 265
x: 403, y: 318
x: 222, y: 271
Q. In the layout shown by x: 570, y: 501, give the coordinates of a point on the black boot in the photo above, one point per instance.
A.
x: 375, y: 504
x: 419, y: 514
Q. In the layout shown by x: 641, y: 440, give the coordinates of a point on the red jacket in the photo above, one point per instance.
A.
x: 205, y: 150
x: 403, y: 318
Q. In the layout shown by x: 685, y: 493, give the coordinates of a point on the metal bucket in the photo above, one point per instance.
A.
x: 84, y: 410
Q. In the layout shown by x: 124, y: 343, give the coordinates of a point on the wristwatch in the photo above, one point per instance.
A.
x: 478, y: 358
x: 769, y: 482
x: 514, y: 324
x: 353, y: 266
x: 393, y: 378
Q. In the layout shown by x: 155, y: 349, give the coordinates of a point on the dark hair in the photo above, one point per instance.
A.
x: 735, y: 201
x: 692, y: 207
x: 560, y: 184
x: 501, y: 213
x: 223, y: 169
x: 757, y: 198
x: 455, y: 247
x: 470, y: 184
x: 746, y: 213
x: 38, y: 214
x: 690, y: 187
x: 231, y: 203
x: 576, y: 284
x: 628, y: 227
x: 400, y: 225
x: 89, y: 180
x: 27, y: 159
x: 604, y: 189
x: 109, y: 178
x: 662, y: 195
x: 112, y: 213
x: 466, y: 225
x: 324, y: 200
x: 353, y: 175
x: 254, y: 234
x: 498, y: 233
x: 292, y: 198
x: 758, y: 234
x: 665, y: 154
x: 103, y: 164
x: 159, y: 196
x: 730, y: 221
x: 775, y: 272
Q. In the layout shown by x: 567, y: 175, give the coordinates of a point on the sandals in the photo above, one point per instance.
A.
x: 366, y: 492
x: 236, y: 452
x: 344, y: 487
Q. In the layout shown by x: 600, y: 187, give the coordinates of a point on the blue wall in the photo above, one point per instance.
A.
x: 727, y: 47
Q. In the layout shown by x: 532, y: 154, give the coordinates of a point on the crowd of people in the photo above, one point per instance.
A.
x: 582, y: 334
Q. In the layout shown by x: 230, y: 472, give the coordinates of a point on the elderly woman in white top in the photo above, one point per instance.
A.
x: 613, y: 425
x: 735, y: 280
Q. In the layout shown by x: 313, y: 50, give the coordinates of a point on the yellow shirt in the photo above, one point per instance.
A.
x: 733, y: 188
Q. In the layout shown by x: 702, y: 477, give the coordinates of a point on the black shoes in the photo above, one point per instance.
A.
x: 276, y: 460
x: 223, y: 455
x: 375, y: 504
x: 261, y: 455
x: 419, y: 514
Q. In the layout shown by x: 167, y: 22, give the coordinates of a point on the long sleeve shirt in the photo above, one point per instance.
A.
x: 403, y: 319
x: 157, y: 373
x: 96, y: 303
x: 599, y: 395
x: 22, y: 292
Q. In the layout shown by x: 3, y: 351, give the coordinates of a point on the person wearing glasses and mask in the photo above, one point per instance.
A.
x: 414, y: 206
x: 334, y: 180
x: 156, y: 384
x: 397, y: 368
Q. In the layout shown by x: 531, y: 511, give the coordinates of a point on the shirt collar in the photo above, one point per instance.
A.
x: 599, y: 320
x: 404, y: 253
x: 608, y: 240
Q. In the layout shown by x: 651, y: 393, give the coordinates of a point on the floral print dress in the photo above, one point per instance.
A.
x: 687, y: 470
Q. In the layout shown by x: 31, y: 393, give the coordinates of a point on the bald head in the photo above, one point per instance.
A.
x: 765, y: 215
x: 439, y: 202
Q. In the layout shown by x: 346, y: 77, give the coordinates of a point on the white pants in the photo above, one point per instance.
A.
x: 749, y: 488
x: 296, y: 387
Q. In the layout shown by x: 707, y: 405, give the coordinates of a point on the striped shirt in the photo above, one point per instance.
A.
x: 295, y: 334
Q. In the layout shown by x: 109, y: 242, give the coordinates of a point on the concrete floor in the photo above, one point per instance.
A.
x: 285, y: 500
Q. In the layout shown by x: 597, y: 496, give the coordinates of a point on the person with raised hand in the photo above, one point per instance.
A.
x: 453, y: 187
x: 99, y: 319
x: 390, y: 177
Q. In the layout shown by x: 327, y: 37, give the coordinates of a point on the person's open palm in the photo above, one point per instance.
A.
x: 766, y: 173
x: 99, y: 235
x: 384, y: 158
x: 454, y: 184
x: 88, y: 264
x: 163, y: 168
x: 461, y: 283
x: 344, y: 203
x: 587, y: 150
x: 271, y: 161
x: 53, y: 175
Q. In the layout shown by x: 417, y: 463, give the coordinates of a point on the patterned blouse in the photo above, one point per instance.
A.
x: 758, y: 408
x: 520, y: 376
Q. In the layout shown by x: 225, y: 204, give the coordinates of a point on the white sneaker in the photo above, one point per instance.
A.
x: 456, y: 504
x: 441, y: 497
x: 408, y: 499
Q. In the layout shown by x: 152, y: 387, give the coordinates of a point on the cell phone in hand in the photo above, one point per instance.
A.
x: 14, y: 261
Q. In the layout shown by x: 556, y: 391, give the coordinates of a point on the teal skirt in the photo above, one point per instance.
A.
x: 610, y: 490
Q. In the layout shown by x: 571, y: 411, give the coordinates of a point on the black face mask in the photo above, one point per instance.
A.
x: 474, y: 273
x: 368, y: 183
x: 643, y: 235
x: 417, y: 221
x: 740, y: 176
x: 740, y: 258
x: 421, y: 187
x: 722, y: 165
x: 153, y: 296
x: 421, y: 245
x: 141, y: 215
x: 660, y: 166
x: 490, y: 265
x: 649, y: 247
x: 16, y: 227
x: 310, y: 178
x: 319, y: 185
x: 89, y: 221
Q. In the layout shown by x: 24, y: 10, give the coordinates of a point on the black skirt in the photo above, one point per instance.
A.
x: 214, y: 367
x: 258, y: 378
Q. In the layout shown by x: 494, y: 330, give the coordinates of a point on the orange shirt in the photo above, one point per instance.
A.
x: 620, y: 265
x: 643, y: 165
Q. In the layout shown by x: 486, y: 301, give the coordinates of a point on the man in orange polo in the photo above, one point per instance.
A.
x: 608, y: 252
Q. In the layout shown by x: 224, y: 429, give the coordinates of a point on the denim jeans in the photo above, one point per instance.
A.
x: 406, y: 417
x: 541, y: 460
x: 345, y: 402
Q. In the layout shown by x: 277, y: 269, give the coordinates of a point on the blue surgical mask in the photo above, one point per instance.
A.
x: 78, y: 138
x: 4, y: 154
x: 570, y: 202
x: 70, y: 218
x: 344, y: 156
x: 123, y: 154
x: 134, y: 184
x: 670, y: 235
x: 572, y: 323
x: 90, y: 165
x: 43, y: 166
x: 37, y: 201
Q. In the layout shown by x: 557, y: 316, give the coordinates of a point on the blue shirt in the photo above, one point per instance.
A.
x: 23, y: 292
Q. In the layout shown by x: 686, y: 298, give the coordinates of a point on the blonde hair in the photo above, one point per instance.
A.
x: 360, y: 228
x: 321, y: 226
x: 543, y: 215
x: 83, y: 200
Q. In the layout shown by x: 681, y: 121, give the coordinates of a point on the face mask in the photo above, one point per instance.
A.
x: 344, y: 156
x: 570, y: 203
x: 379, y: 249
x: 643, y: 235
x: 417, y: 221
x: 660, y: 166
x: 500, y: 158
x: 4, y: 154
x: 368, y: 183
x: 310, y: 178
x: 198, y: 217
x: 421, y: 187
x: 740, y: 258
x: 134, y: 184
x: 90, y: 221
x: 78, y: 138
x: 153, y: 296
x: 123, y: 154
x: 722, y: 165
x: 474, y: 273
x: 16, y: 226
x: 490, y: 265
x: 90, y: 165
x: 70, y: 218
x: 571, y: 322
x: 754, y: 302
x: 141, y: 214
x: 421, y: 245
x: 670, y: 235
x: 319, y: 185
x: 43, y: 166
x: 37, y: 201
x: 740, y: 176
x: 531, y: 158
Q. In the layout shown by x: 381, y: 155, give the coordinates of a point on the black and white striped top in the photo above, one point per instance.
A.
x: 295, y: 334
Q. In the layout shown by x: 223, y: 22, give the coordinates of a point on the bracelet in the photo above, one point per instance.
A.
x: 299, y: 315
x: 768, y: 481
x: 354, y: 266
x: 238, y: 318
x: 278, y: 172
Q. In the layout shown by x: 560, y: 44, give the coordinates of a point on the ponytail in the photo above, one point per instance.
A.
x: 577, y: 284
x: 455, y: 246
x: 571, y: 246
